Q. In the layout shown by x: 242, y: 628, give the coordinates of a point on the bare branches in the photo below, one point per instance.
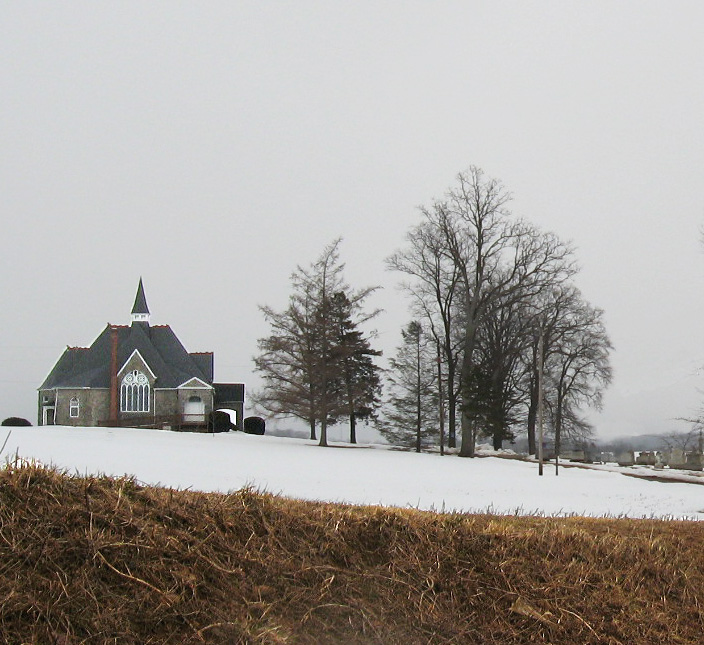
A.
x: 472, y: 265
x: 435, y: 293
x: 303, y: 362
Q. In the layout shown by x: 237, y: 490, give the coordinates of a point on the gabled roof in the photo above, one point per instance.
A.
x: 136, y: 354
x: 140, y: 301
x: 195, y: 383
x: 158, y: 346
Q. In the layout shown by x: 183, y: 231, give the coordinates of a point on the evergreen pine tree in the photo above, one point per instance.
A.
x: 302, y: 362
x: 412, y: 419
x: 359, y: 379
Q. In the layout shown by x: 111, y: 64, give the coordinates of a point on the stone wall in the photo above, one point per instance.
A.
x: 166, y: 402
x: 93, y: 406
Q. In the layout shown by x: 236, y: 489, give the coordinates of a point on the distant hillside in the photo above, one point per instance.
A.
x: 98, y: 560
x: 632, y: 442
x: 636, y: 442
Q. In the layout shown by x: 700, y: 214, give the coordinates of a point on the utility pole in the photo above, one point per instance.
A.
x: 540, y: 402
x: 557, y: 449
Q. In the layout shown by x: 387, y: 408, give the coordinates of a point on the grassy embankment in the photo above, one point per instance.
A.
x: 97, y: 560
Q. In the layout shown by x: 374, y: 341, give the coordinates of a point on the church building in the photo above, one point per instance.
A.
x: 136, y: 375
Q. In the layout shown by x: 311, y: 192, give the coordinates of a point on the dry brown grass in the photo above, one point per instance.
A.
x: 100, y: 560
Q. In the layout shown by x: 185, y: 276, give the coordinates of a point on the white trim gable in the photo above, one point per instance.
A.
x: 141, y: 358
x: 195, y: 384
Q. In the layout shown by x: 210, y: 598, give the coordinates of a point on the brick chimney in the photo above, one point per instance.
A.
x: 113, y: 421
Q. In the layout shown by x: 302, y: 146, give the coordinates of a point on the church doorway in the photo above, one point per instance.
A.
x: 48, y: 419
x: 194, y: 410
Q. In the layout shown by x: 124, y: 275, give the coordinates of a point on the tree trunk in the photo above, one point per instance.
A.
x: 558, y: 421
x: 312, y: 430
x: 469, y: 429
x: 323, y: 433
x: 451, y: 419
x: 419, y: 418
x: 451, y: 392
x: 350, y: 410
x: 532, y: 417
x: 441, y: 404
x: 353, y: 428
x: 451, y: 404
x: 419, y: 406
x: 498, y: 441
x: 468, y: 425
x: 468, y: 437
x: 324, y: 427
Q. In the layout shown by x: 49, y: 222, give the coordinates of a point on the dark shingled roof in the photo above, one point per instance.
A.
x: 228, y: 392
x: 140, y: 301
x: 204, y: 360
x: 159, y: 347
x: 89, y: 367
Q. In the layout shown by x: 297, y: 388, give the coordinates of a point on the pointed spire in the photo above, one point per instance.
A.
x: 140, y: 311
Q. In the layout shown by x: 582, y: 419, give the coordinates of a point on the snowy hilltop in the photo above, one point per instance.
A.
x: 369, y: 475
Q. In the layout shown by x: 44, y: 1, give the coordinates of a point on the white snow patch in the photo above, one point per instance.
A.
x: 369, y: 474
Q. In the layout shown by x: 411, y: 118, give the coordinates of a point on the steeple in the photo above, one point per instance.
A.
x: 140, y: 311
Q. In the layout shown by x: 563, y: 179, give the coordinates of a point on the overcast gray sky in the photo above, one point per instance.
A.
x: 210, y: 147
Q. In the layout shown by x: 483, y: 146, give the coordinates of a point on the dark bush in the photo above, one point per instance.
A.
x: 220, y: 421
x: 16, y: 421
x: 254, y: 425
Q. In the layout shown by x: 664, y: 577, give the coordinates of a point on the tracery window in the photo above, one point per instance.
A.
x: 134, y: 393
x: 74, y: 408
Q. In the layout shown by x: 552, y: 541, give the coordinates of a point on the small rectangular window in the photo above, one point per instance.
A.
x: 74, y: 408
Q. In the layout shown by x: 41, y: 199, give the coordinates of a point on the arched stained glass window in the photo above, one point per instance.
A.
x: 134, y: 393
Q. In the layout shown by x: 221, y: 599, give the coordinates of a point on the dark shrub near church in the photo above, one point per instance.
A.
x: 16, y: 422
x: 220, y: 421
x: 254, y: 425
x: 137, y: 375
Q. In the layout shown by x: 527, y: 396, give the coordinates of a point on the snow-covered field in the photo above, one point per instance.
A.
x: 358, y: 475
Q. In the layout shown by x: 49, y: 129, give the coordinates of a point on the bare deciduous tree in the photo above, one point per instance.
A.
x: 490, y: 285
x: 499, y: 259
x: 435, y: 290
x: 685, y: 440
x: 579, y: 370
x: 496, y: 395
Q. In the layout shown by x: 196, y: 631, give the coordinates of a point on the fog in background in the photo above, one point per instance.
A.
x: 212, y: 147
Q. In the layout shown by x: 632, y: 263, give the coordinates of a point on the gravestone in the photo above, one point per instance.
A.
x: 694, y: 461
x: 677, y: 458
x: 625, y: 458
